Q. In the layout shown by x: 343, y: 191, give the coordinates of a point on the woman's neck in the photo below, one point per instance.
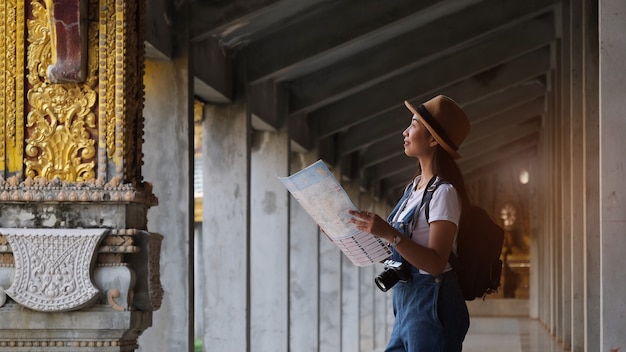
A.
x: 424, y: 178
x: 427, y: 173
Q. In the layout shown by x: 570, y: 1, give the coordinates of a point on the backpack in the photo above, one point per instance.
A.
x: 479, y: 244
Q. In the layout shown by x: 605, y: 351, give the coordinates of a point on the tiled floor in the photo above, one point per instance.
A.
x: 509, y: 334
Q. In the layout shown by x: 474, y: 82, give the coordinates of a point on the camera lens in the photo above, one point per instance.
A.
x: 387, y: 279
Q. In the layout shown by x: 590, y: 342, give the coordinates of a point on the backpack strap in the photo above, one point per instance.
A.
x: 428, y: 195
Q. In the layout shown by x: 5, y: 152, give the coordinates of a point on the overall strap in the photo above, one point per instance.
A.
x: 407, y: 193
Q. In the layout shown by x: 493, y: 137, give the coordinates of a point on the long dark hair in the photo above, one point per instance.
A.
x: 447, y: 169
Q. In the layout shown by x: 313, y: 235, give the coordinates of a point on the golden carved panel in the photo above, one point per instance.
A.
x: 70, y: 129
x: 61, y: 120
x: 124, y: 84
x: 12, y: 82
x: 3, y: 68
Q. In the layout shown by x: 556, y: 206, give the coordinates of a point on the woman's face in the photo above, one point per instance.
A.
x: 417, y: 139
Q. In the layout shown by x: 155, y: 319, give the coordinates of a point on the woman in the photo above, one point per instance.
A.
x: 430, y: 311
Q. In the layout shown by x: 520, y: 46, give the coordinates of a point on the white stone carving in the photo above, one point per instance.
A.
x: 118, y: 282
x: 52, y: 267
x: 6, y: 278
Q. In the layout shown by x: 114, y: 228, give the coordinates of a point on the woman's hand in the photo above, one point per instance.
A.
x: 372, y: 223
x: 432, y: 258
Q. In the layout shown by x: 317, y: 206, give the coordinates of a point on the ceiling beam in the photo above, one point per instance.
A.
x: 212, y: 72
x: 210, y: 15
x: 504, y: 161
x: 484, y: 128
x: 507, y: 152
x: 494, y: 104
x: 300, y: 134
x: 267, y: 104
x: 506, y: 137
x: 159, y: 36
x: 486, y: 53
x: 385, y: 128
x: 391, y: 188
x: 390, y: 167
x: 324, y: 30
x: 503, y: 136
x: 335, y: 72
x: 517, y: 115
x: 433, y: 39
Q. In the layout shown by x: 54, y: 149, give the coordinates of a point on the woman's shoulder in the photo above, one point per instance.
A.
x: 442, y: 186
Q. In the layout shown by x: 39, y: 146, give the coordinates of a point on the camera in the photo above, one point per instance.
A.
x: 394, y: 272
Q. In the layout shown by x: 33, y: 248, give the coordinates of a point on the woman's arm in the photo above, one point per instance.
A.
x: 432, y: 259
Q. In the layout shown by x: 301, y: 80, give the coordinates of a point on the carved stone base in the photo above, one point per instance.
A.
x: 52, y: 267
x: 56, y: 297
x: 98, y: 329
x: 76, y: 276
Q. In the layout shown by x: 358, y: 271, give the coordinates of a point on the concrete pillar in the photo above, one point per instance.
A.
x: 304, y: 263
x: 564, y: 322
x: 577, y: 187
x: 536, y: 232
x: 330, y: 296
x: 350, y: 289
x: 557, y: 282
x: 548, y: 220
x: 367, y: 288
x: 166, y: 159
x: 548, y: 217
x: 198, y: 286
x: 591, y: 169
x: 330, y: 292
x: 269, y: 242
x: 376, y: 313
x: 225, y: 227
x: 612, y: 173
x: 383, y: 310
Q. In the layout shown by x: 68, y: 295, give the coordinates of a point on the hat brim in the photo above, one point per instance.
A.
x: 432, y: 131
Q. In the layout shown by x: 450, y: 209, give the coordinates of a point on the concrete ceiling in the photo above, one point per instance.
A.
x: 336, y: 72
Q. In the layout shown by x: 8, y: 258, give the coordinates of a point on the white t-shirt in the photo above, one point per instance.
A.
x: 444, y: 205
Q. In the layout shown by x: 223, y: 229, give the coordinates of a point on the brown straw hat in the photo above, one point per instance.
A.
x: 445, y: 120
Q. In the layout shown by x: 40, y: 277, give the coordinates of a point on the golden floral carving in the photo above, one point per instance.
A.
x: 72, y: 131
x: 59, y: 141
x: 12, y: 82
x: 106, y: 129
x: 3, y: 68
x: 60, y: 144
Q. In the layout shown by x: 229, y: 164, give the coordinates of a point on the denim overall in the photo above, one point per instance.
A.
x: 430, y: 311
